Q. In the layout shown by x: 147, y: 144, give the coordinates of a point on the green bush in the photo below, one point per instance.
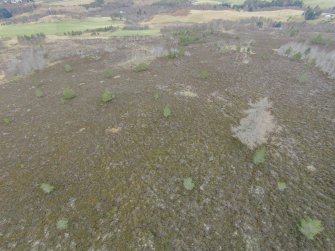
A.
x: 288, y: 51
x: 141, y: 67
x: 310, y: 227
x: 204, y: 74
x: 39, y: 93
x: 186, y: 37
x: 172, y: 54
x: 68, y: 93
x: 297, y: 56
x: 312, y: 13
x: 107, y: 96
x: 108, y: 74
x: 68, y: 68
x: 6, y: 120
x: 319, y: 40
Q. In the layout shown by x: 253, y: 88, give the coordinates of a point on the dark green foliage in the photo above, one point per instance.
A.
x: 95, y: 4
x: 277, y: 24
x: 251, y: 5
x: 259, y: 24
x: 171, y: 2
x: 307, y: 51
x: 104, y: 29
x: 288, y: 51
x: 73, y: 33
x: 4, y: 13
x: 186, y: 37
x: 297, y: 56
x: 141, y: 67
x: 312, y: 13
x: 320, y: 40
x: 39, y: 37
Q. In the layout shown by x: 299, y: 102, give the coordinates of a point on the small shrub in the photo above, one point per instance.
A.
x: 259, y: 156
x: 68, y: 68
x: 293, y: 32
x: 107, y: 96
x: 6, y: 120
x: 156, y: 96
x: 238, y: 48
x: 141, y: 67
x: 312, y: 13
x: 259, y: 24
x: 186, y: 37
x: 281, y: 186
x: 167, y: 111
x: 108, y: 74
x: 319, y: 40
x: 310, y: 227
x: 172, y: 54
x: 47, y: 188
x: 68, y: 93
x: 39, y: 93
x: 277, y: 24
x: 307, y: 51
x: 297, y: 56
x: 62, y: 224
x: 188, y: 184
x: 204, y: 75
x: 181, y: 52
x: 302, y: 78
x: 288, y: 51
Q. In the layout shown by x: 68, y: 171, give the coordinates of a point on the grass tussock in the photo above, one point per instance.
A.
x: 141, y: 67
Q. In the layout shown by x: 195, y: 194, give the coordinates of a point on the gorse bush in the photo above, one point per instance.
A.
x: 141, y: 67
x: 68, y: 93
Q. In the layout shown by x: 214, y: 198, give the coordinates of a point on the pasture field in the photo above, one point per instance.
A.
x: 56, y: 28
x: 204, y: 16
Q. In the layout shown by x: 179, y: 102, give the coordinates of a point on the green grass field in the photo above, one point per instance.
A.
x: 56, y: 28
x: 125, y: 33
